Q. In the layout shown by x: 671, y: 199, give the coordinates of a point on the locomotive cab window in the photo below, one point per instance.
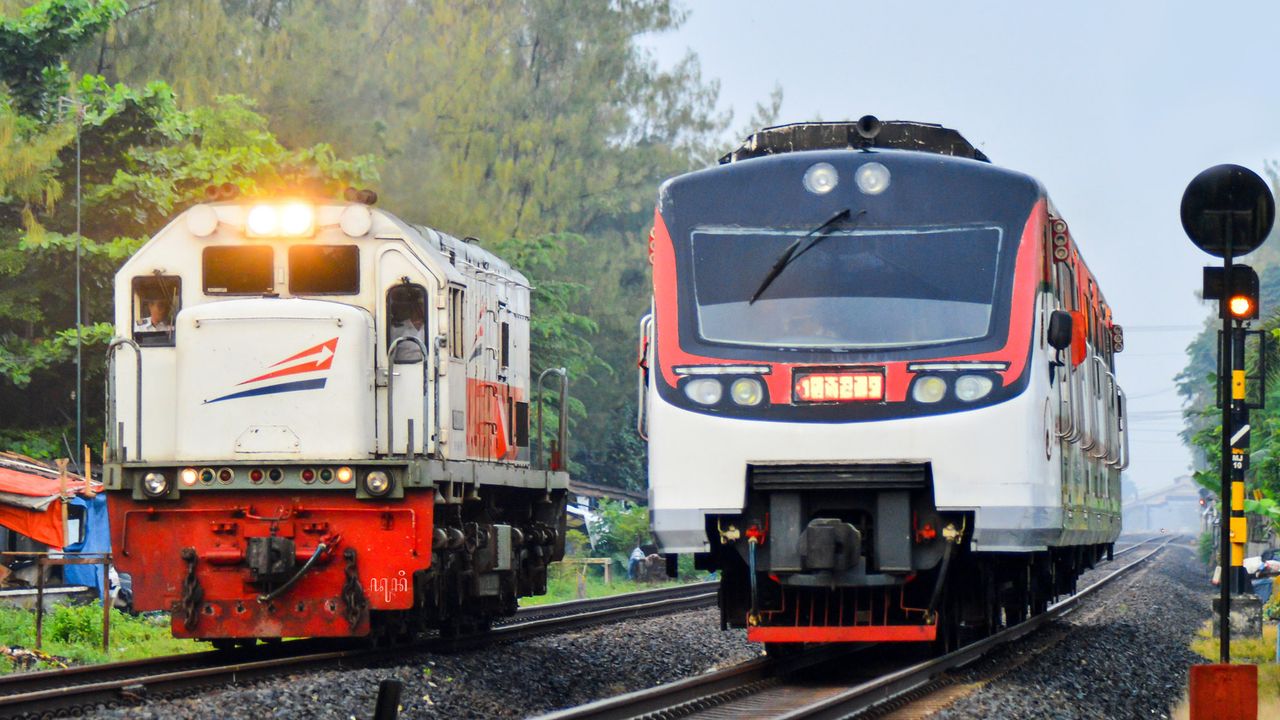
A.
x: 324, y: 269
x: 156, y: 302
x: 407, y: 317
x: 455, y: 322
x: 238, y: 270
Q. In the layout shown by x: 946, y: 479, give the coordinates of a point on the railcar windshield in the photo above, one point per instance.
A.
x: 869, y: 288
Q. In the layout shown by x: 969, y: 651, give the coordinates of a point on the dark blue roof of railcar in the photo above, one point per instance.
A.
x: 894, y: 134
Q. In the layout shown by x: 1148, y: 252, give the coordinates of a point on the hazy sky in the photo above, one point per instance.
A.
x: 1113, y: 106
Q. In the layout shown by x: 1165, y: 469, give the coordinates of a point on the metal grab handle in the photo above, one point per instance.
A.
x: 1103, y: 426
x: 391, y: 391
x: 1113, y: 418
x: 642, y: 382
x: 562, y: 431
x: 111, y: 398
x: 1072, y: 432
x: 1090, y: 439
x: 1122, y: 417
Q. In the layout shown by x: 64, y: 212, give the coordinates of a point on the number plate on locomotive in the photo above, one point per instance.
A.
x: 828, y: 387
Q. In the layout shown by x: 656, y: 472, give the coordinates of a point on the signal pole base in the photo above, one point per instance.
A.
x: 1224, y: 692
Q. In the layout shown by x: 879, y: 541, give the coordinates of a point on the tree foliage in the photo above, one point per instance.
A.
x: 142, y: 158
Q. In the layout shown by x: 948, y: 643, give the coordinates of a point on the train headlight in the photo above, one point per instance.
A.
x: 155, y: 485
x: 377, y: 483
x: 202, y: 220
x: 704, y: 391
x: 356, y: 220
x: 973, y: 387
x: 263, y: 220
x: 344, y: 475
x: 189, y: 477
x: 821, y: 178
x: 746, y: 391
x: 297, y: 219
x: 929, y: 389
x: 872, y: 178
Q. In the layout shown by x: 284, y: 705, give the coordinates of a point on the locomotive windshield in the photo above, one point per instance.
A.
x: 856, y: 289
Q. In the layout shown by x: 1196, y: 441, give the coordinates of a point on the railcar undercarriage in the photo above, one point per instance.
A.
x: 829, y: 553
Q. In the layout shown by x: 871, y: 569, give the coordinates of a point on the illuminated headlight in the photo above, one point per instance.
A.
x: 155, y: 485
x: 972, y: 387
x: 377, y: 483
x: 189, y: 476
x: 263, y: 220
x: 872, y: 178
x: 296, y: 219
x: 821, y: 178
x: 929, y: 389
x: 704, y: 391
x: 746, y: 391
x: 344, y: 475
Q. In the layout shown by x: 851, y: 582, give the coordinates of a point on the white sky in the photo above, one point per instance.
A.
x: 1113, y: 106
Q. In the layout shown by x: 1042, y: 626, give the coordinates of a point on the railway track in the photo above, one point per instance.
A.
x: 69, y: 692
x: 819, y: 685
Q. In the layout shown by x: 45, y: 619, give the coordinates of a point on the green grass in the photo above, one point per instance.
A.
x: 562, y: 584
x: 1254, y: 651
x: 74, y: 634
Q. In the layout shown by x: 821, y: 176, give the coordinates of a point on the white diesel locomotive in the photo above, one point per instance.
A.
x: 878, y: 386
x: 319, y: 421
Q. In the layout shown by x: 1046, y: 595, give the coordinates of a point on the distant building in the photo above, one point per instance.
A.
x: 1175, y: 507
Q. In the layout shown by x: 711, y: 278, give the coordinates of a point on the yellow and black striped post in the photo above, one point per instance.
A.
x: 1238, y: 531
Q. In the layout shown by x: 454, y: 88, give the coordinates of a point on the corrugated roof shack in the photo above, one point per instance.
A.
x: 47, y: 510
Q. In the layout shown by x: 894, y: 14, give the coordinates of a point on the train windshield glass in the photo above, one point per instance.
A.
x: 861, y: 289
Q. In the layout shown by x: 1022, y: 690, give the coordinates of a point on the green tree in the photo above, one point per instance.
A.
x: 142, y: 159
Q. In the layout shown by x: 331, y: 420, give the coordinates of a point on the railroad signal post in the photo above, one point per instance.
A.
x: 1227, y: 211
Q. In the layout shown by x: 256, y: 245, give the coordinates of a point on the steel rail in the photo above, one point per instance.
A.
x: 691, y: 696
x: 38, y: 693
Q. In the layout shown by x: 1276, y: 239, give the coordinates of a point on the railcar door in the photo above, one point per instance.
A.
x: 407, y: 355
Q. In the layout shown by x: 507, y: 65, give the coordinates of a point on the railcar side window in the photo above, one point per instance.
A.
x: 156, y: 302
x: 506, y: 345
x: 324, y: 269
x: 407, y: 317
x: 238, y: 270
x: 455, y: 322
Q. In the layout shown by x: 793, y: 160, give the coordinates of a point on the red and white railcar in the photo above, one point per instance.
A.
x: 854, y: 404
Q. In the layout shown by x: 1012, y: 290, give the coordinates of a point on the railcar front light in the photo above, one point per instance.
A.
x: 308, y: 475
x: 207, y: 476
x: 704, y: 391
x: 821, y: 178
x: 190, y: 477
x: 155, y: 485
x: 973, y: 387
x: 872, y: 178
x: 226, y: 475
x: 344, y: 475
x: 326, y: 475
x: 297, y: 219
x: 202, y: 220
x: 377, y: 483
x: 275, y: 475
x: 263, y: 220
x: 746, y: 391
x: 255, y: 476
x: 356, y: 220
x: 929, y: 389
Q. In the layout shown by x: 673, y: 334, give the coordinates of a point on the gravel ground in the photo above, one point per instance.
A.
x: 1125, y: 652
x: 509, y: 681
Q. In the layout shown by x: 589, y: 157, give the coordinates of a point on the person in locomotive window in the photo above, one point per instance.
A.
x: 408, y: 319
x: 158, y: 318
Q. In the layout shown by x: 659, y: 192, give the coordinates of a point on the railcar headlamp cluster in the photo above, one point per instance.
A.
x: 155, y: 485
x: 746, y: 391
x: 821, y: 178
x: 377, y: 483
x: 295, y: 219
x: 743, y: 391
x: 973, y: 387
x: 929, y: 389
x: 872, y: 178
x: 704, y: 391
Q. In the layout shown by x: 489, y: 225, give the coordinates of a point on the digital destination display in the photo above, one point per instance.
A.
x: 854, y: 386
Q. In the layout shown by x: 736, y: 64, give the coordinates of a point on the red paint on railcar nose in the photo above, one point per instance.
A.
x: 391, y: 540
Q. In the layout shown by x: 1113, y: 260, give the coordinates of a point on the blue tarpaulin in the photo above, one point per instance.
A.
x: 97, y: 539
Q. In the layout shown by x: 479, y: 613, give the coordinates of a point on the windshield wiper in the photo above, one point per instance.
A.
x: 794, y: 251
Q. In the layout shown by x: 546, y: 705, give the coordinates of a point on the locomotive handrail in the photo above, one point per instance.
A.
x: 562, y: 433
x: 118, y: 445
x: 642, y: 387
x: 1072, y: 432
x: 1075, y: 397
x: 1123, y: 418
x: 1113, y: 418
x: 1104, y: 440
x: 391, y: 393
x: 1090, y: 438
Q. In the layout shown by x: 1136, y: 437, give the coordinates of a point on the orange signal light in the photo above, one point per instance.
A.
x: 1240, y: 306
